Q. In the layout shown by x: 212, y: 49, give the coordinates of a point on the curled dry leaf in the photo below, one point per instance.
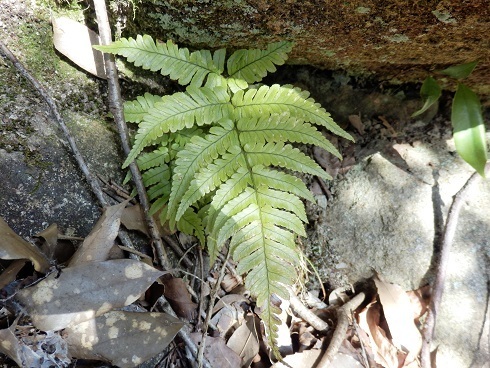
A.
x: 10, y: 273
x: 75, y: 41
x: 385, y: 353
x: 83, y: 292
x: 179, y: 298
x: 399, y: 315
x: 124, y: 339
x: 13, y: 246
x: 99, y: 242
x: 245, y: 341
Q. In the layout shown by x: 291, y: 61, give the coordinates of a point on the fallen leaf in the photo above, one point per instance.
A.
x: 50, y: 236
x: 356, y: 122
x: 98, y: 243
x: 75, y: 41
x: 399, y: 312
x: 216, y: 352
x: 125, y: 339
x: 179, y: 298
x: 420, y: 300
x: 228, y: 300
x: 13, y: 246
x: 133, y: 219
x: 10, y: 346
x: 83, y: 292
x: 10, y: 273
x: 385, y: 353
x: 245, y: 341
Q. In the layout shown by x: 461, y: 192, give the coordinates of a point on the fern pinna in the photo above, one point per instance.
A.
x: 218, y: 147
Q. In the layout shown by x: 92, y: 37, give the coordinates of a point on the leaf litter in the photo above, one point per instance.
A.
x: 69, y: 312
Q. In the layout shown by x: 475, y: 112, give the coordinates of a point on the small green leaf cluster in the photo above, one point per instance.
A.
x: 466, y: 116
x: 222, y: 157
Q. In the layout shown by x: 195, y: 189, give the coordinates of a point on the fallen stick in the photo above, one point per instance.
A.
x: 343, y: 320
x: 116, y: 106
x: 442, y: 263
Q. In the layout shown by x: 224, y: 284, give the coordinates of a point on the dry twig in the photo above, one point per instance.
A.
x: 442, y: 262
x: 116, y: 105
x: 343, y: 314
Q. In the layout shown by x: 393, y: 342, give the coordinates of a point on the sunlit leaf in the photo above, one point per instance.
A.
x: 12, y: 246
x: 399, y: 315
x: 124, y: 339
x: 460, y: 71
x: 75, y: 40
x: 469, y: 129
x: 430, y: 92
x: 98, y: 243
x: 83, y: 292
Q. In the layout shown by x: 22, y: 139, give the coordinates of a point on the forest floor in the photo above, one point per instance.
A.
x: 383, y: 212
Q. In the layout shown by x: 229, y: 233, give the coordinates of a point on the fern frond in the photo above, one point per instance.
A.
x: 181, y: 110
x: 210, y: 177
x: 168, y: 58
x: 190, y: 223
x: 285, y: 156
x: 277, y: 99
x: 281, y: 181
x: 134, y: 111
x: 156, y: 174
x: 197, y: 153
x: 151, y: 159
x: 251, y: 66
x: 280, y: 128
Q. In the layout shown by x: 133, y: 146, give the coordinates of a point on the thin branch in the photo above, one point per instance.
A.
x: 343, y: 320
x: 116, y: 105
x: 306, y: 314
x: 443, y: 260
x: 212, y: 298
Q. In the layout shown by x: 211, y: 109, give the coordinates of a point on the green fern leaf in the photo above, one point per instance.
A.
x: 279, y: 128
x: 278, y: 99
x: 159, y: 174
x: 251, y: 66
x: 285, y: 156
x: 191, y: 224
x: 210, y: 177
x: 197, y: 153
x: 168, y: 58
x: 151, y: 159
x: 181, y: 110
x: 134, y: 111
x: 281, y: 181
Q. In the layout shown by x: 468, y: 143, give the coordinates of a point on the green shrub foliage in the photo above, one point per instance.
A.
x: 221, y: 160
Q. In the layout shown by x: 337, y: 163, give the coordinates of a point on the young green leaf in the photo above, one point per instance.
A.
x: 460, y: 71
x: 430, y: 92
x: 469, y: 129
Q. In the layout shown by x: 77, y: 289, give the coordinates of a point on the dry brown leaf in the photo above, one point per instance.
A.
x: 124, y: 339
x: 399, y: 312
x: 228, y: 300
x: 179, y: 298
x: 75, y: 41
x: 330, y: 163
x: 50, y: 236
x: 83, y: 292
x: 385, y: 353
x: 133, y: 219
x: 217, y: 353
x: 420, y: 300
x: 10, y: 273
x: 245, y: 341
x: 98, y: 243
x: 356, y: 122
x: 13, y: 246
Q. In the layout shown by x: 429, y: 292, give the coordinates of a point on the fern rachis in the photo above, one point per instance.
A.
x: 224, y: 181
